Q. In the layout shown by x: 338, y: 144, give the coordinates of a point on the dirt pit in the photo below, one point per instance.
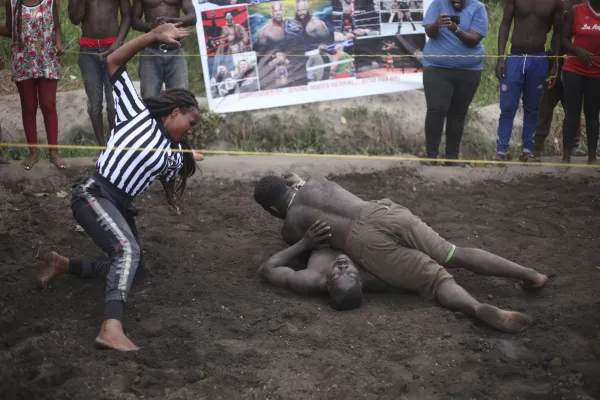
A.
x: 208, y: 329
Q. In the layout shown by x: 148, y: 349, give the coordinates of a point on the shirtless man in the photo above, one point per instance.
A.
x: 391, y: 243
x: 101, y: 35
x: 315, y: 30
x: 279, y: 32
x: 522, y: 76
x: 237, y: 37
x: 327, y: 271
x: 170, y: 69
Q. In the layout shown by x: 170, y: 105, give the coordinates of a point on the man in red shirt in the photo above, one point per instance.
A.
x: 581, y: 76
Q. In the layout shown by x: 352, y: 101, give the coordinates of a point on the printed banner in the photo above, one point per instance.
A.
x: 262, y: 54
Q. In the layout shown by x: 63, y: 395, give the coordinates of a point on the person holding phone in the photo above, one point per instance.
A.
x: 581, y: 76
x: 452, y: 61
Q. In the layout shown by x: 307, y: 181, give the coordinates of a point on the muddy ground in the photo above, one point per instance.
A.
x: 209, y: 329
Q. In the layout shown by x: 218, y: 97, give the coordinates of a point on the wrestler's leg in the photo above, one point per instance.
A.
x: 450, y: 295
x: 486, y: 263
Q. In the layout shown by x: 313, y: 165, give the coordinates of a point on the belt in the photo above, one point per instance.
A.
x: 531, y: 50
x: 164, y: 47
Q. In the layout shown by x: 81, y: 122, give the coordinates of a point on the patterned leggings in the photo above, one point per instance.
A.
x: 43, y: 92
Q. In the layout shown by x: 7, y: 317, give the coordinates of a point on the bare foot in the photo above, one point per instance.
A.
x: 59, y: 162
x: 55, y: 265
x: 506, y: 321
x: 112, y: 337
x: 538, y: 283
x: 31, y: 161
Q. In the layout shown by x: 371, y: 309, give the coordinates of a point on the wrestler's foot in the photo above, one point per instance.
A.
x: 56, y: 160
x: 55, y: 265
x: 577, y: 152
x: 506, y: 321
x: 112, y: 337
x: 537, y: 283
x: 592, y: 161
x: 33, y: 158
x: 566, y: 159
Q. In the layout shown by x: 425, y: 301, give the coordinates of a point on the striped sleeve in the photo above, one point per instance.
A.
x: 128, y: 103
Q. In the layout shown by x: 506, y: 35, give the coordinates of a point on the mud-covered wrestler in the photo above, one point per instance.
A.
x: 386, y: 240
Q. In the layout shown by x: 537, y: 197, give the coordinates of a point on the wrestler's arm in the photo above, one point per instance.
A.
x: 189, y: 14
x: 275, y: 271
x: 245, y: 38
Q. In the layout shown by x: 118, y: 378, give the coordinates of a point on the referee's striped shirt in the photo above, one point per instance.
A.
x: 123, y: 163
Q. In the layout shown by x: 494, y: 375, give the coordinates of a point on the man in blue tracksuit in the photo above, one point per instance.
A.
x: 523, y: 72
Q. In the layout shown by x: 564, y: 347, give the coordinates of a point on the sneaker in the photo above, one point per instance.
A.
x: 577, y: 152
x: 528, y: 157
x: 500, y: 157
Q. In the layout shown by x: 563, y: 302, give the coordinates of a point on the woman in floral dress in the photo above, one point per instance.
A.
x: 36, y: 49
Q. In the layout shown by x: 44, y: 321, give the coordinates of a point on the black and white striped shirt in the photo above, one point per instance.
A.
x: 123, y: 163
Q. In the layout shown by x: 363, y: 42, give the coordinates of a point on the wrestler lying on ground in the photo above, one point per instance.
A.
x: 386, y: 240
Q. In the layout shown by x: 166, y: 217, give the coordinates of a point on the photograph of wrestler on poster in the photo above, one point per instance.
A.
x: 333, y: 61
x: 226, y: 31
x: 278, y: 39
x: 233, y: 74
x: 382, y: 56
x: 353, y: 19
x: 400, y: 17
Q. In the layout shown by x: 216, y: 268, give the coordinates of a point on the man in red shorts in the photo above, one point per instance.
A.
x: 386, y: 240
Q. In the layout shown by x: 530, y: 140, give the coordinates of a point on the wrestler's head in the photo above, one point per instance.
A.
x: 277, y: 12
x: 272, y: 193
x: 303, y: 12
x: 458, y: 4
x: 344, y: 285
x: 243, y: 66
x: 229, y: 19
x: 221, y: 72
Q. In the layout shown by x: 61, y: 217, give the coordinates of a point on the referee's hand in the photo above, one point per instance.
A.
x: 170, y: 33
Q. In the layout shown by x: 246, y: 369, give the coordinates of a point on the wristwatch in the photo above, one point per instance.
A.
x: 457, y: 30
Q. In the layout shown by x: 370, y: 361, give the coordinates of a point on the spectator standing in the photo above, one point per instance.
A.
x: 101, y: 35
x: 36, y: 48
x: 524, y: 72
x: 581, y: 76
x: 162, y: 63
x: 450, y: 82
x: 550, y: 99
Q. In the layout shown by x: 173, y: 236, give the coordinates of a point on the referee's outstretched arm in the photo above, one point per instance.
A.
x: 165, y: 33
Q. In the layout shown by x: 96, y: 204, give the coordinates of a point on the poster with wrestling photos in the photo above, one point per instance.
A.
x: 259, y: 54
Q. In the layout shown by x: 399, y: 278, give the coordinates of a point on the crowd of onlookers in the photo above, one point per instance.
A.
x: 457, y: 27
x: 37, y: 45
x: 453, y: 64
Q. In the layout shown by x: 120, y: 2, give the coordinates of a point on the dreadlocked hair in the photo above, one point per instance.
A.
x: 163, y: 105
x: 18, y: 21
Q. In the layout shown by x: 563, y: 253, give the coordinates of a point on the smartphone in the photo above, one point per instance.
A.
x: 455, y: 19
